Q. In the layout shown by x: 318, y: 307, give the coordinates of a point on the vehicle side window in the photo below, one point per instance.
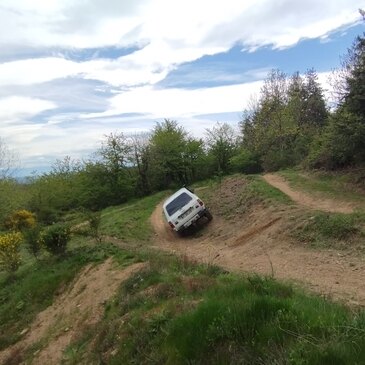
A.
x: 178, y: 203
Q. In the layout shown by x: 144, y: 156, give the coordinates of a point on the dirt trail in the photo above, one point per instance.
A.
x: 310, y: 201
x: 75, y: 309
x: 256, y: 244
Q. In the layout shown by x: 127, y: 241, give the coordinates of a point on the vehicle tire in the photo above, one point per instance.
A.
x: 181, y: 233
x: 208, y: 215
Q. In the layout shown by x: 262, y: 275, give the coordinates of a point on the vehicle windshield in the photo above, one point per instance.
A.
x: 178, y: 203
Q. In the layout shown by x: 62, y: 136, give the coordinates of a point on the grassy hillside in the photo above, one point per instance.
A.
x: 177, y: 311
x: 348, y: 186
x: 35, y: 286
x: 130, y: 221
x: 330, y: 230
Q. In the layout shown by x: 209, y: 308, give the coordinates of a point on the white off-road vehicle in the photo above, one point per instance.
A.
x: 183, y: 209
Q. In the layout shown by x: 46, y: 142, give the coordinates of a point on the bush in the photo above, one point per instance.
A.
x: 338, y: 226
x: 276, y: 159
x: 55, y: 239
x: 32, y: 239
x: 246, y: 162
x: 341, y: 144
x: 94, y: 220
x: 48, y: 215
x: 9, y: 251
x: 20, y: 220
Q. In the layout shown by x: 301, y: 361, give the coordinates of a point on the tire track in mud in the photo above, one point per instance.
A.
x: 254, y: 231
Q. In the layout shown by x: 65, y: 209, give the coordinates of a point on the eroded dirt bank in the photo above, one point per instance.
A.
x: 75, y: 309
x: 257, y: 242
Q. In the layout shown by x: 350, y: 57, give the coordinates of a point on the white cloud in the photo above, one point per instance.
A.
x: 78, y: 134
x: 177, y: 103
x: 34, y: 71
x: 169, y: 34
x: 14, y: 108
x: 172, y: 32
x: 97, y: 23
x: 58, y: 136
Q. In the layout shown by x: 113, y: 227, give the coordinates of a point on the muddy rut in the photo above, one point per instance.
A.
x: 257, y: 244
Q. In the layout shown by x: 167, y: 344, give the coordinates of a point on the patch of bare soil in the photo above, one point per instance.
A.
x: 302, y: 198
x: 81, y: 305
x: 256, y: 241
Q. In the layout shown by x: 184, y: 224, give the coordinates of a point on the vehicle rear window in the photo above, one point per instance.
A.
x: 178, y: 203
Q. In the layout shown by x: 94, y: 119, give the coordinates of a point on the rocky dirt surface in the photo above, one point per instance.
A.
x: 256, y: 240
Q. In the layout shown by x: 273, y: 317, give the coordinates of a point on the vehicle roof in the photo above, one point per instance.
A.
x: 175, y: 195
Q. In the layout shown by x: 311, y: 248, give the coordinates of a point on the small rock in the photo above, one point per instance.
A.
x: 66, y: 329
x: 114, y: 352
x: 25, y: 330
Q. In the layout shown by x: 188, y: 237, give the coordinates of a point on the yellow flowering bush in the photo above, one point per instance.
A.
x: 20, y: 220
x: 9, y: 251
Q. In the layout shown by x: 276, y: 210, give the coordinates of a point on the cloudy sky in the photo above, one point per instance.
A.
x: 73, y: 71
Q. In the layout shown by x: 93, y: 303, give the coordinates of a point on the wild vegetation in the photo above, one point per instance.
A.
x: 176, y: 311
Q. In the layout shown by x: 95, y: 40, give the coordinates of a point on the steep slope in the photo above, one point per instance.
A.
x: 79, y: 306
x: 257, y: 240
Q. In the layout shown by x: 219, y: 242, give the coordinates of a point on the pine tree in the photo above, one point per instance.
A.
x: 315, y: 106
x: 355, y: 82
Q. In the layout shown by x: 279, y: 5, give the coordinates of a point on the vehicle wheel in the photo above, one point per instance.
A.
x: 208, y: 215
x: 181, y: 233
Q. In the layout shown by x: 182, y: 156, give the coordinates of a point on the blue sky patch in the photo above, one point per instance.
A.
x: 238, y: 66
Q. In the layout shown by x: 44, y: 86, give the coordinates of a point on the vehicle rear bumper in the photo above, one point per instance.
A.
x: 192, y: 220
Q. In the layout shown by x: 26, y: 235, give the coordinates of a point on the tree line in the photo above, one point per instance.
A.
x: 288, y: 124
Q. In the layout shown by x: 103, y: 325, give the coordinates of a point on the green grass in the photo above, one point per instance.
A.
x: 238, y: 194
x: 258, y: 189
x: 332, y: 230
x: 336, y: 186
x: 33, y: 288
x: 176, y: 312
x: 130, y: 221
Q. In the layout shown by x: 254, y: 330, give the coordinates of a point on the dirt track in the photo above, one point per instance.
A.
x: 256, y: 244
x: 318, y: 203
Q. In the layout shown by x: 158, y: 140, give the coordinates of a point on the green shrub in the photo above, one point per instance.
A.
x: 276, y: 159
x: 338, y: 226
x: 48, y: 215
x: 32, y: 240
x: 341, y: 144
x: 94, y: 220
x: 55, y: 238
x: 246, y: 162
